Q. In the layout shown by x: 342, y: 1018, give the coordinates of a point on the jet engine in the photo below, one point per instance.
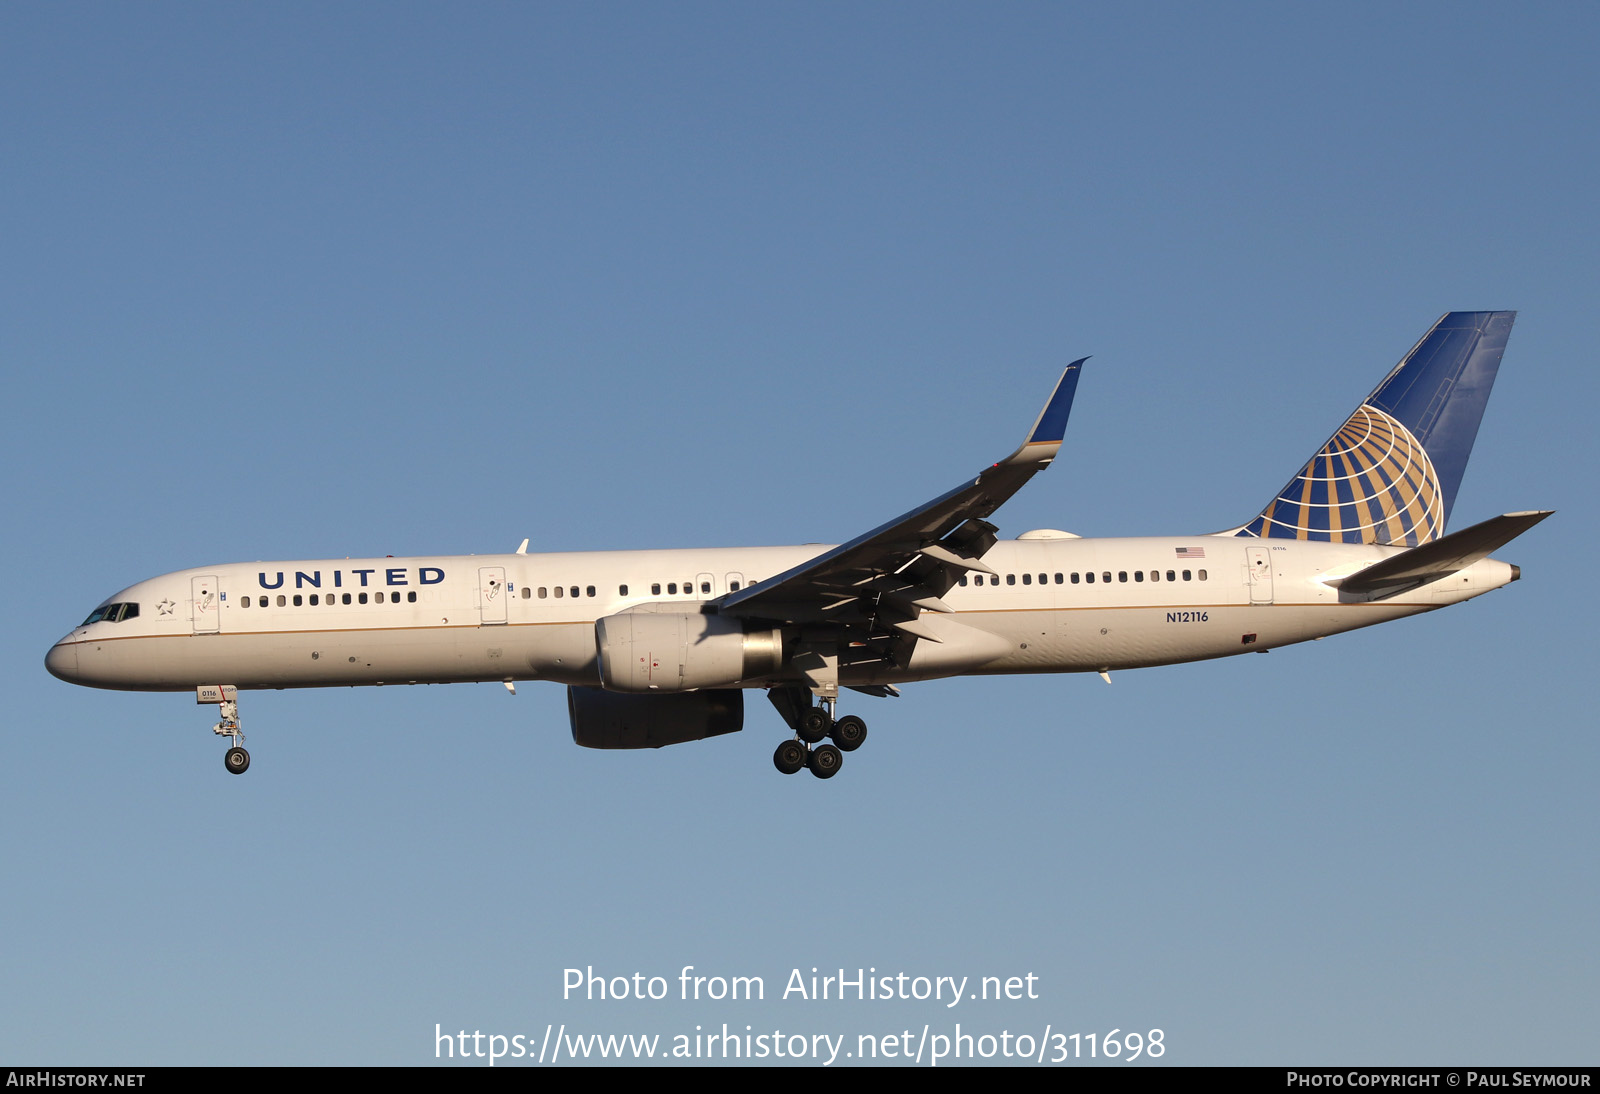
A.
x: 656, y: 649
x: 603, y: 719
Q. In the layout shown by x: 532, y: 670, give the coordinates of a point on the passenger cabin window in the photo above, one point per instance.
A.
x: 622, y: 590
x: 527, y: 591
x: 655, y: 588
x: 672, y: 588
x: 411, y: 597
x: 1011, y: 579
x: 543, y: 592
x: 281, y: 600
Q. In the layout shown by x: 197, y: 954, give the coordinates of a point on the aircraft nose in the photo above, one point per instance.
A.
x: 62, y: 661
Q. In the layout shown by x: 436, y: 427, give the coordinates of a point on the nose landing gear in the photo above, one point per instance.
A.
x: 237, y: 760
x: 226, y: 697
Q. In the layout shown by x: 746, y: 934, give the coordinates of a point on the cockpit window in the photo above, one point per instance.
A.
x: 112, y: 613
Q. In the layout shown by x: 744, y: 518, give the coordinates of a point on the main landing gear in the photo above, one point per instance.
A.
x: 813, y: 725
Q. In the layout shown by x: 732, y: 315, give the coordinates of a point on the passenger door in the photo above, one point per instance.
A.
x: 1258, y: 564
x: 206, y: 605
x: 492, y: 594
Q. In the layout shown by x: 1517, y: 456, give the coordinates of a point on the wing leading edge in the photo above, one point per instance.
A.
x: 887, y: 576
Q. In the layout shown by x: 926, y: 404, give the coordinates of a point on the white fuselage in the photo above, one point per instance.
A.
x: 1151, y: 601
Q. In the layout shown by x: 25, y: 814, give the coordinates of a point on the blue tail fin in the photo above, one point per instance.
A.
x: 1390, y: 474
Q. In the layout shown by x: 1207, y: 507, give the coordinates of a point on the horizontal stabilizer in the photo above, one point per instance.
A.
x: 1442, y: 557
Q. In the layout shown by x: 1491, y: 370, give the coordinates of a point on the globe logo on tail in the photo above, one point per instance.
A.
x: 1371, y: 483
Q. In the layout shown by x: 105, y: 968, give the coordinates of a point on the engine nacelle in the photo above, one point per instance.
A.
x: 603, y: 719
x: 657, y: 649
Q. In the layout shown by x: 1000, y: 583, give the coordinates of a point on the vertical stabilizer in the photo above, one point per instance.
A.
x: 1391, y: 472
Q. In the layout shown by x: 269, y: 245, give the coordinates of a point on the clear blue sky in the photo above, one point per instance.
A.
x: 288, y: 281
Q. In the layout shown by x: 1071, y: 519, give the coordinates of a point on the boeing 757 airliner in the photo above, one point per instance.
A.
x: 659, y: 647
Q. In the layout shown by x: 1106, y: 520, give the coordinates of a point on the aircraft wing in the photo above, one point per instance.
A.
x: 885, y: 578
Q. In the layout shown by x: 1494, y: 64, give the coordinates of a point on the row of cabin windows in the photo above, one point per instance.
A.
x: 545, y: 591
x: 347, y: 598
x: 1089, y: 577
x: 559, y: 591
x: 575, y: 591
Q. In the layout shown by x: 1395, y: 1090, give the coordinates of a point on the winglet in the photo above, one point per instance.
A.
x: 1044, y: 439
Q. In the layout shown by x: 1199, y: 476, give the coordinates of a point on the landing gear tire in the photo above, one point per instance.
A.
x: 790, y: 757
x: 848, y: 733
x: 825, y: 761
x: 815, y: 725
x: 238, y: 760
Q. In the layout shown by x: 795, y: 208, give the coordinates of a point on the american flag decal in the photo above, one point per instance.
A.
x: 1190, y: 552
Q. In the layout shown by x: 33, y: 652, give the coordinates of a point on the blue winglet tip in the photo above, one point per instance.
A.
x: 1052, y: 424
